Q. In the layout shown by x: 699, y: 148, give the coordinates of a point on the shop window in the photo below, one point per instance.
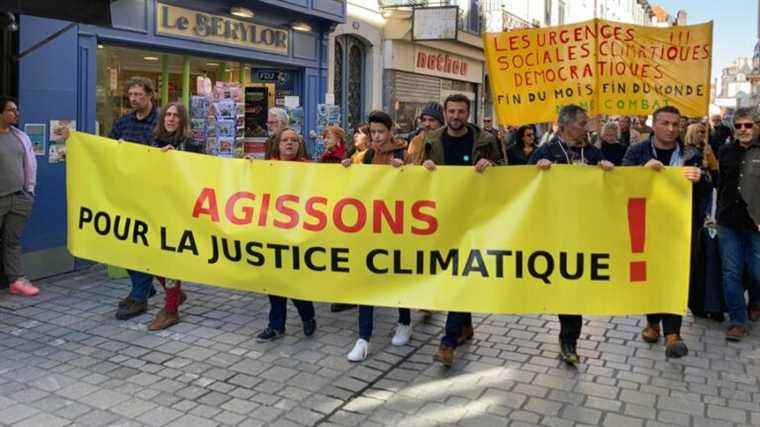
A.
x: 349, y: 79
x: 116, y: 65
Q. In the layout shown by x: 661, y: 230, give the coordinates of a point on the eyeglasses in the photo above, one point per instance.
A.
x: 744, y: 125
x: 12, y: 110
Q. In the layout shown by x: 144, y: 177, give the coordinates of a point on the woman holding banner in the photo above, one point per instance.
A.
x: 383, y: 150
x: 172, y: 133
x: 289, y: 147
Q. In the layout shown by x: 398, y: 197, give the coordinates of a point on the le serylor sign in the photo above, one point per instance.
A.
x: 177, y: 21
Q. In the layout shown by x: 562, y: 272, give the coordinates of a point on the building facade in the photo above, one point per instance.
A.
x: 81, y: 75
x: 629, y: 11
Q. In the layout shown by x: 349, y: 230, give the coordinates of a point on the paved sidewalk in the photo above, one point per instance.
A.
x: 65, y: 360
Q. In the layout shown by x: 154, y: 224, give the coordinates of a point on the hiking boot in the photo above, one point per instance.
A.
x: 22, y: 286
x: 568, y: 353
x: 163, y: 320
x: 337, y: 308
x: 131, y: 308
x: 309, y: 326
x: 675, y: 347
x: 651, y: 333
x: 467, y: 333
x: 737, y: 332
x: 445, y: 355
x: 753, y: 311
x: 269, y: 334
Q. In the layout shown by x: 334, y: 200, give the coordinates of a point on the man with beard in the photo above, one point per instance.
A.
x: 431, y: 119
x: 459, y: 143
x: 137, y: 126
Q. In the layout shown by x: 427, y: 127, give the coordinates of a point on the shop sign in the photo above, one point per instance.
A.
x: 440, y: 63
x: 177, y: 21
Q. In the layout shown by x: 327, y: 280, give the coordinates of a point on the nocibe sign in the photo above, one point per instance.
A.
x: 177, y: 21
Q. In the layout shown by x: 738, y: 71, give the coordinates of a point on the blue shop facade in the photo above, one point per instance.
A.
x: 80, y: 76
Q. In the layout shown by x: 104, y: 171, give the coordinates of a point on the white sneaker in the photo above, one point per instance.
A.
x: 360, y: 351
x: 403, y: 335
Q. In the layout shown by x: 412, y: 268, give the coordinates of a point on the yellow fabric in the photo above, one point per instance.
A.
x: 603, y: 66
x: 535, y: 215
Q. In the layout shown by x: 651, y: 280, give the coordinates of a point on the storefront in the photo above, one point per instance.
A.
x: 418, y: 74
x: 266, y: 53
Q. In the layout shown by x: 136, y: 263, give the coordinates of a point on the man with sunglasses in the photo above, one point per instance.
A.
x: 665, y: 148
x: 738, y: 218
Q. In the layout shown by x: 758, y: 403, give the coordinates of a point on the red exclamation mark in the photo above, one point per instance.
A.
x: 637, y: 228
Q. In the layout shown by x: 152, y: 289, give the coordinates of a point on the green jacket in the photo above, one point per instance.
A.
x: 485, y: 147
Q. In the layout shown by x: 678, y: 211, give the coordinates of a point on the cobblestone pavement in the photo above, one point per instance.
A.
x: 65, y: 360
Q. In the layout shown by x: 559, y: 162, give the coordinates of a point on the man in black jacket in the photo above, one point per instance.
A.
x: 665, y: 148
x: 569, y: 147
x: 738, y: 229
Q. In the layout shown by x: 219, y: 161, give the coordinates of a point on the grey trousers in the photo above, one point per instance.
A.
x: 14, y: 211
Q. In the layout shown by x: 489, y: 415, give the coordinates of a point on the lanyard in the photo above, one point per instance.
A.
x: 567, y: 157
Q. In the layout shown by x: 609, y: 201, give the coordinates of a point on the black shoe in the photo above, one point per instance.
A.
x: 269, y: 334
x: 568, y: 353
x: 309, y: 326
x: 124, y: 302
x: 337, y: 308
x: 129, y: 308
x: 715, y: 316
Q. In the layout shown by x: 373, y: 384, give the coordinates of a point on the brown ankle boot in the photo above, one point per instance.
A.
x: 651, y: 333
x: 163, y: 320
x: 675, y: 347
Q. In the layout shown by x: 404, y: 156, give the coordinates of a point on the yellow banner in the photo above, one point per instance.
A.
x: 604, y: 66
x: 511, y: 240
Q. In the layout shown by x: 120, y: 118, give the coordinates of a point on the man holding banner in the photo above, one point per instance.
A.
x: 569, y: 146
x: 459, y: 143
x: 137, y: 126
x: 665, y: 148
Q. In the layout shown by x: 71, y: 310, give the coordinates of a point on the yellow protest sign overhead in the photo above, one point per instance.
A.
x: 606, y: 67
x: 573, y: 239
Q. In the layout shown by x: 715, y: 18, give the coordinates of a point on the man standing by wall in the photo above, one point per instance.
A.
x: 18, y: 172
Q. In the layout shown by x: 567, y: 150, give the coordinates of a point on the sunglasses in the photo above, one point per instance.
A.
x: 744, y: 125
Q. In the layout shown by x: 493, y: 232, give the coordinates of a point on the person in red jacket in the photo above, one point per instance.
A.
x: 335, y: 145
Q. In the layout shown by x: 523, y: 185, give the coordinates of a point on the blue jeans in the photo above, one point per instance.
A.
x: 367, y: 320
x: 142, y: 286
x: 278, y: 311
x: 455, y: 322
x: 737, y: 250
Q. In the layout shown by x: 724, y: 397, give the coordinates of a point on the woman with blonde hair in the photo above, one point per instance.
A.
x: 696, y: 136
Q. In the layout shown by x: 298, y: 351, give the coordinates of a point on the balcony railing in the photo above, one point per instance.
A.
x: 511, y: 21
x: 469, y: 22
